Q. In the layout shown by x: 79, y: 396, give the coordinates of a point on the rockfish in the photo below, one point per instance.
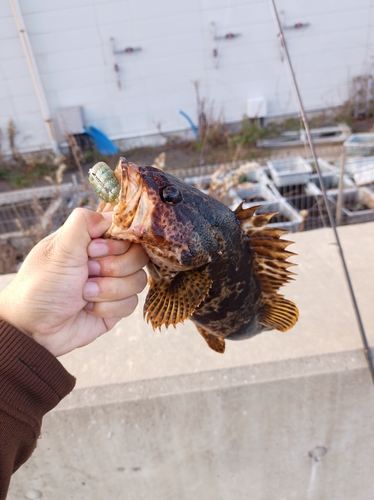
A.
x: 220, y: 268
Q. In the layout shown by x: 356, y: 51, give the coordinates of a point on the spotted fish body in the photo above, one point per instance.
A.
x: 219, y: 268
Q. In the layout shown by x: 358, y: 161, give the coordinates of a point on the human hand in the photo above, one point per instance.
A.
x: 74, y: 286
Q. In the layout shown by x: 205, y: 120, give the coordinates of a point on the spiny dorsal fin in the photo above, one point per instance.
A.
x: 279, y: 313
x: 270, y: 254
x: 173, y: 300
x: 244, y: 213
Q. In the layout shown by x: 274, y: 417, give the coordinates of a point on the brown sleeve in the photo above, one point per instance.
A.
x: 32, y: 382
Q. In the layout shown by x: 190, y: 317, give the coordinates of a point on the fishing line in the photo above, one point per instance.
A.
x: 366, y: 346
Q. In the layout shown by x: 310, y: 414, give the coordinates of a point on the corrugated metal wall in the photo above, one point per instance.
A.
x: 73, y: 51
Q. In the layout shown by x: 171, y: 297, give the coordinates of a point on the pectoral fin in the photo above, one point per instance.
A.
x: 215, y: 343
x: 173, y: 300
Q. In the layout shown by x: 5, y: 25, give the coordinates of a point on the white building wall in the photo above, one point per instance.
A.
x: 71, y: 43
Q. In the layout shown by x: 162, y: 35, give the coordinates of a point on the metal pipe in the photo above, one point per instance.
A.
x: 34, y: 73
x: 367, y: 351
x: 339, y: 201
x: 193, y: 126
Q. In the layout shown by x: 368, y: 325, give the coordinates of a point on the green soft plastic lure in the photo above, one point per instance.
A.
x: 104, y: 182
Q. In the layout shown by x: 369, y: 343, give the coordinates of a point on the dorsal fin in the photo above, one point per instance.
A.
x: 270, y: 254
x: 244, y: 213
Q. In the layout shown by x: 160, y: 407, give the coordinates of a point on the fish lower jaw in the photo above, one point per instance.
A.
x: 122, y: 234
x: 137, y: 231
x: 164, y: 262
x: 162, y: 256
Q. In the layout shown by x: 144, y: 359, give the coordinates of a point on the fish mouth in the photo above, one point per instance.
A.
x: 133, y: 214
x: 130, y: 182
x: 136, y: 214
x: 130, y: 204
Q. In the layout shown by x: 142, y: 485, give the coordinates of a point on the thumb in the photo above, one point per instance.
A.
x: 79, y: 229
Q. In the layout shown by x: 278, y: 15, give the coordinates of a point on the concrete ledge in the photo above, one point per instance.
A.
x: 157, y: 415
x: 214, y: 380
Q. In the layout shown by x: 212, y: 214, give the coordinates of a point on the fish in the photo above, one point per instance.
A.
x: 219, y: 268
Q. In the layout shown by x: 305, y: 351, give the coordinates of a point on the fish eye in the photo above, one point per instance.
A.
x: 171, y: 195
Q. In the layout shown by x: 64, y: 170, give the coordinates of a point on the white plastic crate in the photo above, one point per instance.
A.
x: 324, y: 165
x: 201, y: 182
x: 360, y: 144
x: 353, y: 164
x: 364, y: 175
x: 257, y: 194
x: 290, y: 171
x: 330, y: 180
x: 357, y: 206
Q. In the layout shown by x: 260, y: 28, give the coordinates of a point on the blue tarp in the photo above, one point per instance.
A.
x: 101, y: 141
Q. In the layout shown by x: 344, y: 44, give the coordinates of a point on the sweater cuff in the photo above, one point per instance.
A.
x: 32, y: 380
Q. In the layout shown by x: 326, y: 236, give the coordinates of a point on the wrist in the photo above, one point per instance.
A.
x: 8, y: 315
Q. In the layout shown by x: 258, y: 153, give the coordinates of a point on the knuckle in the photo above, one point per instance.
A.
x: 132, y: 302
x: 78, y: 212
x: 109, y: 265
x: 108, y: 288
x: 111, y: 309
x: 143, y: 278
x: 77, y: 215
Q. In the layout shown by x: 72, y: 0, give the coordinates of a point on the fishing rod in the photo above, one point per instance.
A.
x: 365, y: 342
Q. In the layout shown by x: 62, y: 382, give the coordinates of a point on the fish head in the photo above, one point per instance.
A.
x: 169, y: 218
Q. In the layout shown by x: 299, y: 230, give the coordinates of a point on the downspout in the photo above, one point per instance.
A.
x: 34, y: 73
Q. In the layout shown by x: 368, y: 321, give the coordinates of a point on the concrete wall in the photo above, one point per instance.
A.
x: 71, y: 43
x: 219, y: 435
x: 157, y: 415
